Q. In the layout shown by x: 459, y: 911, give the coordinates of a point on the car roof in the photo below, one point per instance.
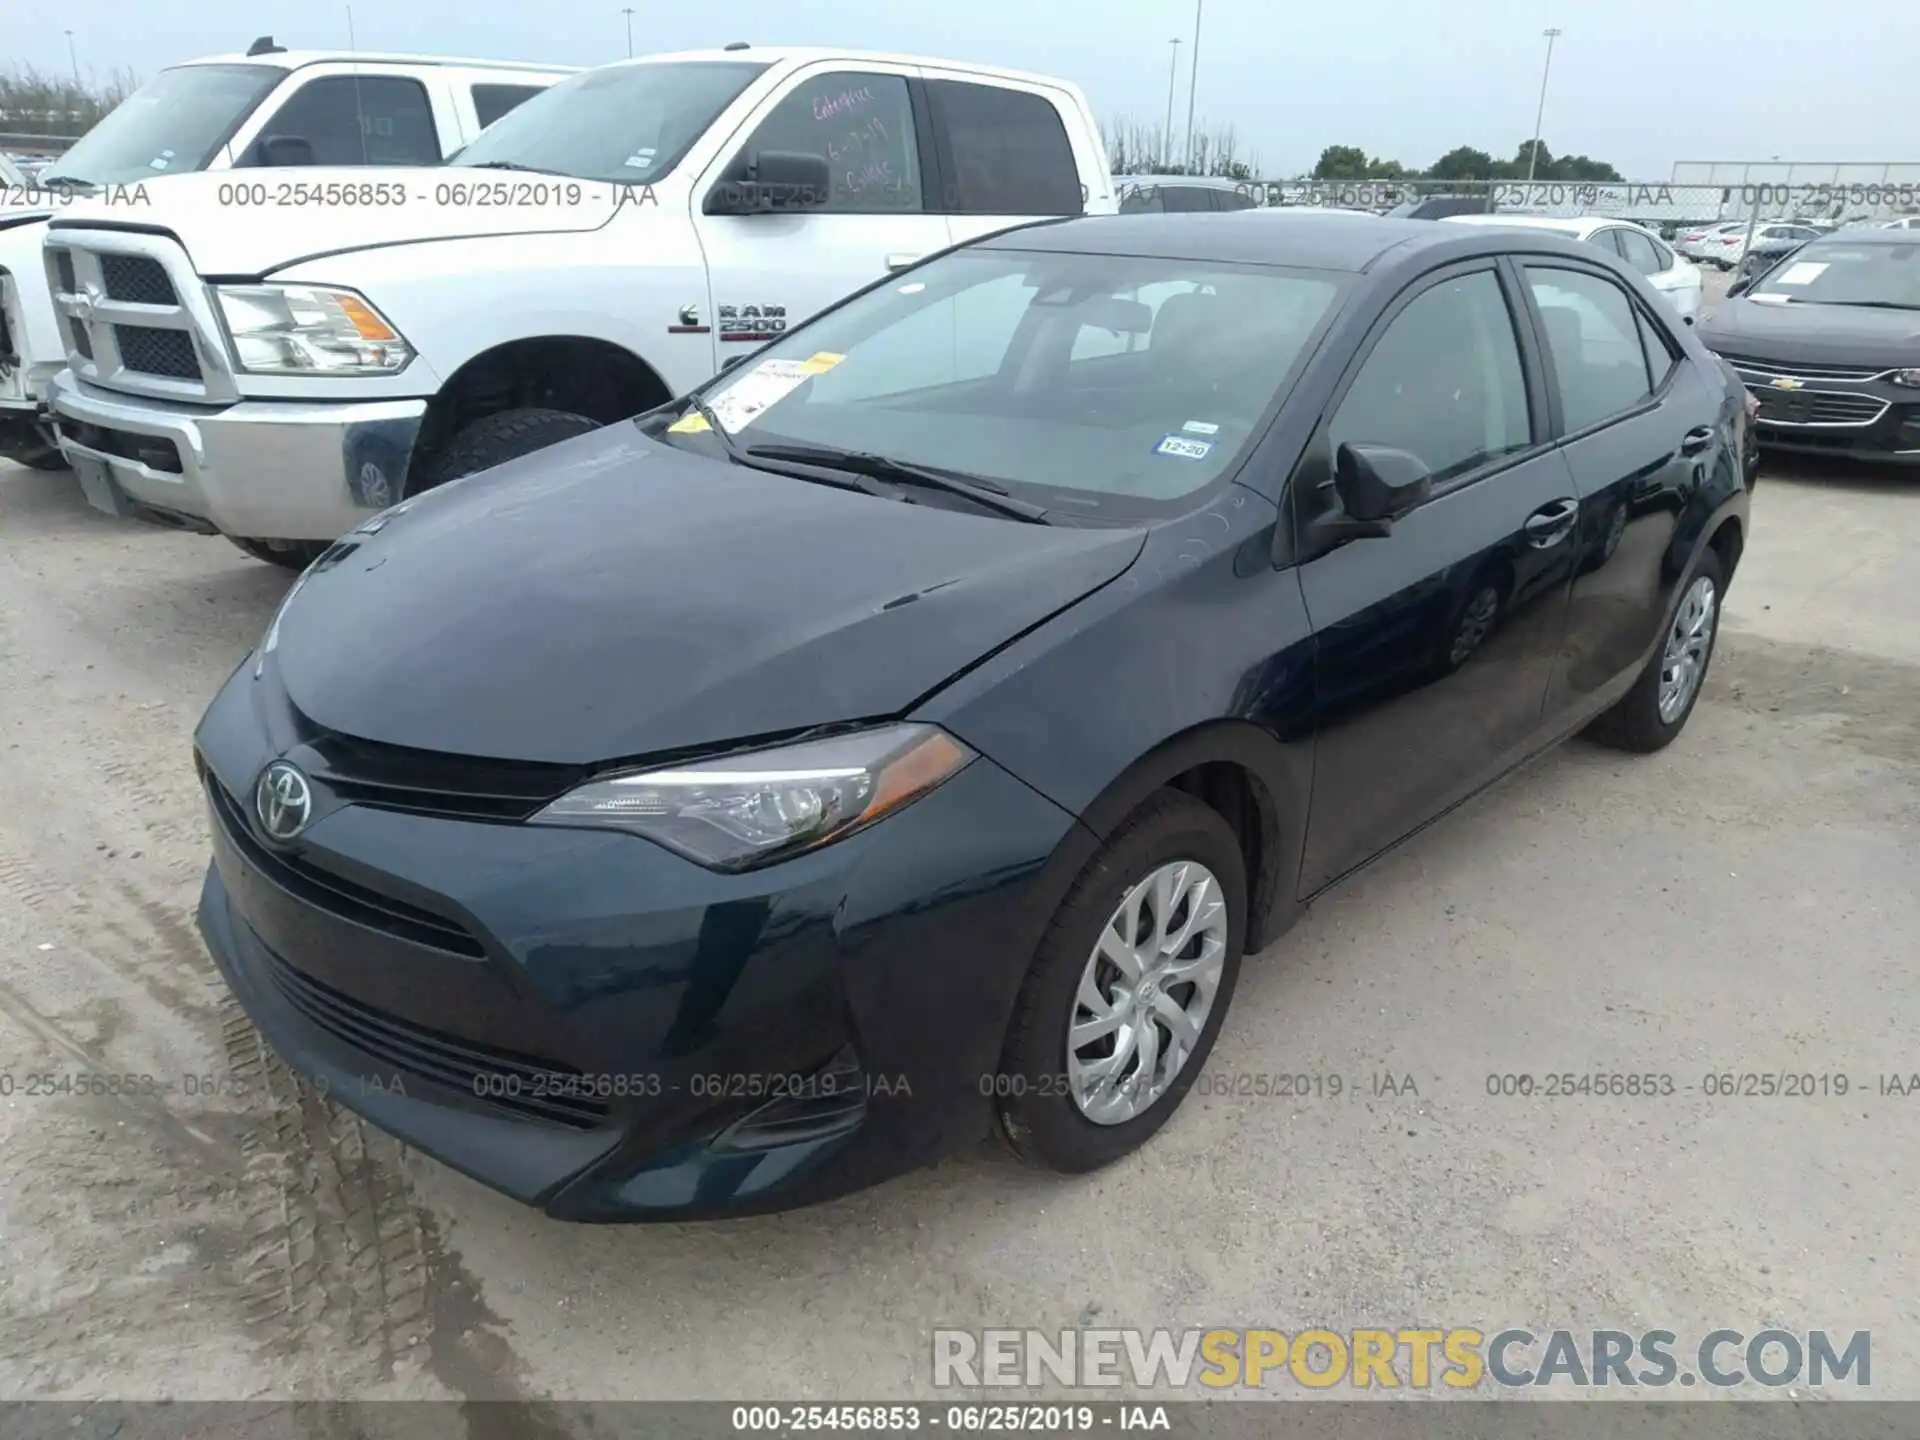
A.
x: 1867, y: 234
x: 1330, y: 240
x: 1580, y: 225
x: 1202, y: 182
x: 299, y: 59
x: 794, y: 56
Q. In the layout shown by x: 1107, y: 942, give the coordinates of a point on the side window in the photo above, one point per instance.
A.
x: 361, y: 120
x: 1640, y: 252
x: 1593, y: 336
x: 863, y: 124
x: 490, y: 102
x: 1609, y: 241
x: 1008, y: 149
x: 1142, y: 200
x: 1443, y: 381
x: 1234, y: 199
x: 1659, y: 351
x: 1660, y: 253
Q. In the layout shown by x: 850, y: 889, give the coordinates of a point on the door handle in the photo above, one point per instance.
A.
x: 1550, y: 524
x: 901, y: 262
x: 1696, y: 440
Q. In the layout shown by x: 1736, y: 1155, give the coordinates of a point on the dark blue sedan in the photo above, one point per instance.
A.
x: 907, y: 735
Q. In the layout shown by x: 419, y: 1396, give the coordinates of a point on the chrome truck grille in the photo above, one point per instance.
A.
x: 135, y: 316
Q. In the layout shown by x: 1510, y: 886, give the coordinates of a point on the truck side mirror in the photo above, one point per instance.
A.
x: 772, y: 180
x: 282, y: 150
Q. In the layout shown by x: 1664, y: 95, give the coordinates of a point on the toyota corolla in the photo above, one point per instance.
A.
x: 906, y: 735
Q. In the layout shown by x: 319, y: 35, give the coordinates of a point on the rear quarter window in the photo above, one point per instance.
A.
x: 1007, y: 152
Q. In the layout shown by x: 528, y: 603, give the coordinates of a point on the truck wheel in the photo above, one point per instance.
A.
x: 288, y: 554
x: 507, y: 435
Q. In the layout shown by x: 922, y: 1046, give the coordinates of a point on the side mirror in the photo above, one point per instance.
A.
x: 772, y: 180
x: 281, y: 150
x: 1377, y: 482
x: 1740, y: 287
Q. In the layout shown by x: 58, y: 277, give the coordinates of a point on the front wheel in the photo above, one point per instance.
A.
x: 505, y: 435
x: 1128, y: 988
x: 1655, y: 710
x: 288, y: 554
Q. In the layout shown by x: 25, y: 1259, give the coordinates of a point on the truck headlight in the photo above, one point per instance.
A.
x: 309, y: 329
x: 739, y: 811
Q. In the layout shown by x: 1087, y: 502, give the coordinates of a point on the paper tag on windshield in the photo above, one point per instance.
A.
x: 1200, y: 427
x: 767, y: 384
x: 1801, y: 272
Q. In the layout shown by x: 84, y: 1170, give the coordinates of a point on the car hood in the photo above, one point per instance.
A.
x: 613, y: 597
x: 225, y: 235
x: 1814, y: 334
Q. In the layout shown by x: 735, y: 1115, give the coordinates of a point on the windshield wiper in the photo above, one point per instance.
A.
x: 1872, y: 304
x: 503, y: 165
x: 987, y: 494
x: 696, y: 406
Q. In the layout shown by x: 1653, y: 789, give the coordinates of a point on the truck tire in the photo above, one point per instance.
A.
x: 288, y: 554
x: 497, y: 438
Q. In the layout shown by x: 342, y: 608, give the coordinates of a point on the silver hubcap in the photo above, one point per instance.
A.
x: 1146, y: 993
x: 1688, y: 643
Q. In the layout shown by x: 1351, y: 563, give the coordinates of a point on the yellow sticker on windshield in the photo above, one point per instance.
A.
x: 689, y: 424
x: 820, y: 362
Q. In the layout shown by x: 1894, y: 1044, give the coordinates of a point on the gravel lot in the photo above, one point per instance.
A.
x: 1744, y: 900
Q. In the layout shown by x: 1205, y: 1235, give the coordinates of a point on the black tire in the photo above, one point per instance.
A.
x: 287, y: 554
x: 1040, y: 1118
x: 1635, y: 723
x: 505, y: 435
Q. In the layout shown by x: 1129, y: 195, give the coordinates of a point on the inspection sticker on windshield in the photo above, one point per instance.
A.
x: 1803, y: 272
x: 1200, y: 427
x: 767, y: 384
x: 691, y: 424
x: 820, y: 362
x: 1183, y: 447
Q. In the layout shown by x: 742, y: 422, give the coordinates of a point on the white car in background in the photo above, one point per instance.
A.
x: 1676, y: 278
x: 1904, y: 222
x: 1694, y: 241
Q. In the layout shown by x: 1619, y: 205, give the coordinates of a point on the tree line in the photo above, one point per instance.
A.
x: 33, y: 102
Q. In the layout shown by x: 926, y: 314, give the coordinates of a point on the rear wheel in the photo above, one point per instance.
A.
x: 505, y: 435
x: 288, y: 554
x: 1128, y: 989
x: 1655, y: 710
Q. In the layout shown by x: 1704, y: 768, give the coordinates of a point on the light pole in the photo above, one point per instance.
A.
x: 74, y: 58
x: 1193, y: 86
x: 628, y: 12
x: 1533, y: 151
x: 1173, y: 70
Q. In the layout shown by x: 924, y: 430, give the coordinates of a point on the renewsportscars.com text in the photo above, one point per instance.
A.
x: 1459, y: 1358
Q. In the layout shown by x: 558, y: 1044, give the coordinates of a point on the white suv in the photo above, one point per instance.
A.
x: 278, y: 372
x: 269, y: 107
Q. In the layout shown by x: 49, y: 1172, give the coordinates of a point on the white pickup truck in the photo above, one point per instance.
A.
x: 269, y: 107
x: 275, y: 362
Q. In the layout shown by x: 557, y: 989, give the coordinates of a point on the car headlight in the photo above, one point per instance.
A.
x: 1905, y: 377
x: 738, y: 811
x: 309, y: 329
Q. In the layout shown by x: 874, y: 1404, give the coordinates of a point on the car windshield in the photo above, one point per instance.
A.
x: 176, y: 122
x: 1111, y: 387
x: 621, y: 123
x: 1834, y: 272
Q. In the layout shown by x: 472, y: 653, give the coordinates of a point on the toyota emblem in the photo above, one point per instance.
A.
x: 283, y: 801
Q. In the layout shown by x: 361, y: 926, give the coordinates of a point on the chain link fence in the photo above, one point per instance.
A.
x: 1662, y: 205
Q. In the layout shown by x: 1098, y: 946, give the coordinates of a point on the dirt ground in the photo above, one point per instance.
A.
x: 1745, y: 900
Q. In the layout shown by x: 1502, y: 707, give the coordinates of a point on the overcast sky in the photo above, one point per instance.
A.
x: 1639, y: 83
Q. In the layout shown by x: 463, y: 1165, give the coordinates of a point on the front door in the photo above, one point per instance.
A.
x: 1434, y: 643
x: 768, y: 272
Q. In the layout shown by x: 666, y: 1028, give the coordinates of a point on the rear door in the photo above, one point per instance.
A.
x: 1633, y: 412
x: 1005, y: 153
x: 768, y: 272
x: 1435, y: 642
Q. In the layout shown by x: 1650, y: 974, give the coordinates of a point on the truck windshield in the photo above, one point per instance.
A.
x: 177, y: 121
x: 622, y: 123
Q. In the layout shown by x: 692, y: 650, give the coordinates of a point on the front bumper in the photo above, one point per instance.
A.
x: 593, y: 1025
x: 1867, y: 420
x: 263, y: 469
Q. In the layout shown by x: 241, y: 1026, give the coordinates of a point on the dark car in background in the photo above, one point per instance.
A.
x: 1439, y: 207
x: 1180, y: 195
x: 1829, y: 342
x: 1768, y: 251
x: 909, y: 732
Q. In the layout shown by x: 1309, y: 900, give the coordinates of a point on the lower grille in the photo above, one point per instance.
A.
x: 830, y: 1102
x: 1819, y: 407
x: 153, y: 351
x: 154, y: 451
x: 523, y: 1086
x: 337, y: 895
